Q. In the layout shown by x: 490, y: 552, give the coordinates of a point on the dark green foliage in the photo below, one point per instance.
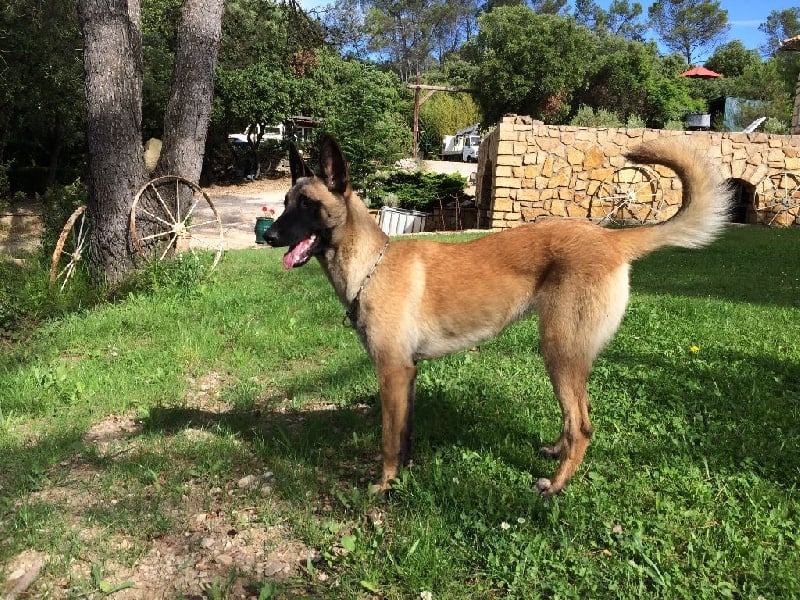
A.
x: 630, y: 78
x: 529, y: 63
x: 417, y: 190
x: 58, y: 204
x: 4, y: 188
x: 41, y: 93
x: 366, y: 109
x: 732, y: 59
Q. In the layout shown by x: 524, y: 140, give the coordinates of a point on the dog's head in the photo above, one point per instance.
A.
x: 314, y: 207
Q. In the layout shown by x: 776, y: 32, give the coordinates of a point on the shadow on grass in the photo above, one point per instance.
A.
x: 650, y: 410
x: 722, y: 419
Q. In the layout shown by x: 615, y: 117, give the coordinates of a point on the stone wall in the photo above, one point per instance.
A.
x: 530, y: 171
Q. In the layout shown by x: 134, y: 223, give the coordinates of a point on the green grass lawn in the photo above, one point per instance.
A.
x: 230, y: 429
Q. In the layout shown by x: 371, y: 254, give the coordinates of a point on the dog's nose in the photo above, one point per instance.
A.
x: 271, y: 236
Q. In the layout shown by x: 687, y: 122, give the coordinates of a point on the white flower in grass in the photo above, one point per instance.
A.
x: 505, y: 526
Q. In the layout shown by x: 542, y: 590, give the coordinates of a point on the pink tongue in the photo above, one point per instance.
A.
x: 298, y: 254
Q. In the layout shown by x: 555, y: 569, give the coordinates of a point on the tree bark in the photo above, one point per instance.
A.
x: 192, y: 89
x: 113, y: 72
x: 113, y: 79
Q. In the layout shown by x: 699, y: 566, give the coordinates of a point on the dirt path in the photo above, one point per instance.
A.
x: 238, y: 206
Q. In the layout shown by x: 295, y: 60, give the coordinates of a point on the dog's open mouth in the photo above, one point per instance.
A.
x: 300, y: 253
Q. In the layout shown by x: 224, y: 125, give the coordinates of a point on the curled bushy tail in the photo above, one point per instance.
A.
x: 706, y: 199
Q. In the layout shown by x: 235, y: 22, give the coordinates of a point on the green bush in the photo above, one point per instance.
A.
x: 417, y: 190
x: 634, y: 121
x: 773, y: 125
x: 588, y: 117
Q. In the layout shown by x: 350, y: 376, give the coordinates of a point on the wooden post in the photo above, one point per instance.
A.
x: 419, y: 101
x: 416, y: 118
x: 792, y: 44
x: 796, y: 111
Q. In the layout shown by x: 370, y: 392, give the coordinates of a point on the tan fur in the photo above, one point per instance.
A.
x: 428, y: 299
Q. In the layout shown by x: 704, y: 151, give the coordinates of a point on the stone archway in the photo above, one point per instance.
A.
x: 744, y: 195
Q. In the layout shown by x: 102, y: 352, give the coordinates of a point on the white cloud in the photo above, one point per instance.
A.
x: 746, y: 23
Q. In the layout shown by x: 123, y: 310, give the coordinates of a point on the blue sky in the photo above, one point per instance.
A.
x: 744, y: 16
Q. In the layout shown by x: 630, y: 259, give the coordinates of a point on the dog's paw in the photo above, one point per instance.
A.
x: 379, y: 490
x: 544, y: 487
x: 550, y: 453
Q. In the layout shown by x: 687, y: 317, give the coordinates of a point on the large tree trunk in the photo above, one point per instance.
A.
x: 113, y: 70
x: 192, y: 89
x: 112, y: 59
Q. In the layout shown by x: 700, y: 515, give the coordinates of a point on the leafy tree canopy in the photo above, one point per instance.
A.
x: 631, y: 79
x: 689, y: 26
x: 410, y: 36
x: 365, y: 108
x: 731, y: 59
x: 780, y: 25
x: 622, y: 18
x: 529, y: 63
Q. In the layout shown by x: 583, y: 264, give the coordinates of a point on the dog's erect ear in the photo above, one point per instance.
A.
x: 334, y: 166
x: 297, y: 166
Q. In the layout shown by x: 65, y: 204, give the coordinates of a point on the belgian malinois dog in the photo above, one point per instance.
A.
x: 417, y: 299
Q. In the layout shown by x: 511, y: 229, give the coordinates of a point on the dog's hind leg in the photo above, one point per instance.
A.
x: 574, y: 327
x: 570, y: 388
x: 397, y: 388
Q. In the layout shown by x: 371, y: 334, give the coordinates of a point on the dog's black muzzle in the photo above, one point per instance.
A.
x: 273, y: 237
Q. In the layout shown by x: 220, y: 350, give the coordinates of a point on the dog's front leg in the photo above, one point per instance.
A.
x: 397, y: 388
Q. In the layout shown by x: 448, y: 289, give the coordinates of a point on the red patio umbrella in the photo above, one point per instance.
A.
x: 700, y: 72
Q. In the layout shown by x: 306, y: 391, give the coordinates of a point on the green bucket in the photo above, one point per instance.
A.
x: 262, y: 224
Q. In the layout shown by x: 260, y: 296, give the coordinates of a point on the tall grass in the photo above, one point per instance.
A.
x: 689, y: 489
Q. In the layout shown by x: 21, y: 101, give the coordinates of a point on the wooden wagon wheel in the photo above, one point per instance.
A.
x: 70, y: 247
x: 777, y: 201
x: 171, y: 214
x: 631, y: 194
